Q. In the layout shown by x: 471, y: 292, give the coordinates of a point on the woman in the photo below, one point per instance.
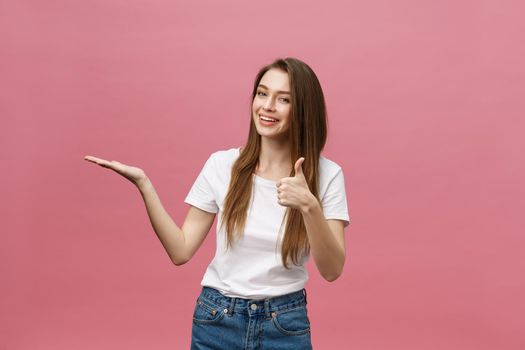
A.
x: 278, y: 201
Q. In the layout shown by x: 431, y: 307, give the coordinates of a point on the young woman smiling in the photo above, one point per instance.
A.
x: 279, y: 201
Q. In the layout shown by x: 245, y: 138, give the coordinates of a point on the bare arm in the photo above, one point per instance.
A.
x: 327, y: 240
x: 326, y: 237
x: 180, y: 244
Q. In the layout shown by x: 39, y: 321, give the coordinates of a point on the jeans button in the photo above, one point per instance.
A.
x: 253, y: 307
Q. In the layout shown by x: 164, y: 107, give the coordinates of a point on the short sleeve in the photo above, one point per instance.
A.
x: 202, y: 194
x: 334, y: 200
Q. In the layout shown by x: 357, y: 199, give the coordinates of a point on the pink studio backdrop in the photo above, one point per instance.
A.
x: 425, y: 102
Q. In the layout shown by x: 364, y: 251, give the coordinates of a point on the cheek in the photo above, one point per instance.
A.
x: 257, y: 101
x: 287, y: 115
x: 255, y: 107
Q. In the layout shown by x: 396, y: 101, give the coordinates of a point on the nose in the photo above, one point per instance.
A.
x: 268, y: 104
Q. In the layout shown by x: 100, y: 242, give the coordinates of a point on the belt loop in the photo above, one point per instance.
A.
x: 232, y: 306
x: 267, y: 307
x: 304, y: 292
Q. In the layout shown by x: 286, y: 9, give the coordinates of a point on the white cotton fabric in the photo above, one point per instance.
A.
x: 252, y: 268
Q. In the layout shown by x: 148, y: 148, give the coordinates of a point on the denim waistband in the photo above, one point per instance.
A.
x: 253, y: 306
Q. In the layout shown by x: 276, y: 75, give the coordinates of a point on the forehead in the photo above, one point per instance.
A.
x: 276, y: 79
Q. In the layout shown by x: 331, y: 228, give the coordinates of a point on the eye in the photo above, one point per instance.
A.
x: 285, y: 100
x: 261, y: 92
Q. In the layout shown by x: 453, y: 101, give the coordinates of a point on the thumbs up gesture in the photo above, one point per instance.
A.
x: 293, y: 191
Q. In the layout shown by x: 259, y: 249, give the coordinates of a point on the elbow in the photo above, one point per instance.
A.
x: 178, y: 261
x: 331, y: 278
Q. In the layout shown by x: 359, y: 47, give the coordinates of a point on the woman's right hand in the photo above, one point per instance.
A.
x: 133, y: 174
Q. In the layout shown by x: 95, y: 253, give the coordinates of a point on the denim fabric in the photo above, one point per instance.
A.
x: 224, y: 323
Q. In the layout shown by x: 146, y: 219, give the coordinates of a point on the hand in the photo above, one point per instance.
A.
x: 133, y: 174
x: 293, y: 191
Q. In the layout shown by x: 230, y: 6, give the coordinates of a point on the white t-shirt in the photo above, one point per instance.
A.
x: 252, y: 267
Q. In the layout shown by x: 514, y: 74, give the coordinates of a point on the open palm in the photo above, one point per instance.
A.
x: 133, y: 174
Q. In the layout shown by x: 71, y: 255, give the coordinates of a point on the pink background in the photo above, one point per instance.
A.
x: 425, y: 102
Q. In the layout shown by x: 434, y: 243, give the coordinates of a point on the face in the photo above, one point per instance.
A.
x: 273, y: 101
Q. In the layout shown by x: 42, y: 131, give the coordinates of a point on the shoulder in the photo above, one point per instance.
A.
x: 328, y: 168
x: 330, y: 175
x: 225, y: 157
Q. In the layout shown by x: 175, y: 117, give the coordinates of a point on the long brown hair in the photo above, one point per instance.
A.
x: 308, y: 130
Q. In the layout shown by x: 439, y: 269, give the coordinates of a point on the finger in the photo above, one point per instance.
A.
x: 92, y: 159
x: 102, y: 162
x: 298, y: 166
x: 283, y: 181
x: 95, y: 160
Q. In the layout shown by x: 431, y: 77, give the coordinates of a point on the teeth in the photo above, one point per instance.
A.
x: 268, y: 119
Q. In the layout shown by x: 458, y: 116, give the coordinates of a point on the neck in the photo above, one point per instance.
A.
x: 274, y: 156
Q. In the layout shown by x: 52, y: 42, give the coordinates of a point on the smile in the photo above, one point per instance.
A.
x: 267, y: 119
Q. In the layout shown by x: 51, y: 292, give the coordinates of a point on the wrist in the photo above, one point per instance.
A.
x: 309, y: 203
x: 143, y: 183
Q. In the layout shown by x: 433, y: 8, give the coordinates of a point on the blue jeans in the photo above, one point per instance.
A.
x: 221, y: 322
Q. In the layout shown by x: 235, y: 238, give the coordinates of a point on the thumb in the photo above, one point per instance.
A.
x: 298, y: 167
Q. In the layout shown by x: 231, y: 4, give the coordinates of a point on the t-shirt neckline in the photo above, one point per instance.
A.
x: 258, y: 178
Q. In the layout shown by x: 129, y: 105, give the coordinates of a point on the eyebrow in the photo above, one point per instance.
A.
x: 278, y: 91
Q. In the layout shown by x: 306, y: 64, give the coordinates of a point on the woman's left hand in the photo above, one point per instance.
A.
x: 293, y: 191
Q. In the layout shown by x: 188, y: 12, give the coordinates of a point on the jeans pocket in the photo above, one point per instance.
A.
x: 292, y: 322
x: 206, y: 312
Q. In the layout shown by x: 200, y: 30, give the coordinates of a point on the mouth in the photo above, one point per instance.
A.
x: 267, y: 120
